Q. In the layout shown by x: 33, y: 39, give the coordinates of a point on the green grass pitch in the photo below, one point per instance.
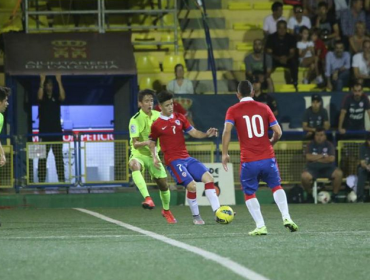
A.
x: 333, y: 242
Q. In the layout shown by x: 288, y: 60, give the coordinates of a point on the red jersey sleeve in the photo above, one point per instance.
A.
x: 154, y: 132
x: 186, y: 126
x: 156, y: 107
x: 230, y: 116
x: 271, y: 117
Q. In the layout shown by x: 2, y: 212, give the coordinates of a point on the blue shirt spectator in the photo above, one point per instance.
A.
x: 337, y: 67
x: 349, y: 18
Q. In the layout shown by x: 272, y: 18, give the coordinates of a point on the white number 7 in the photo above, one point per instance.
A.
x: 179, y: 166
x: 174, y: 129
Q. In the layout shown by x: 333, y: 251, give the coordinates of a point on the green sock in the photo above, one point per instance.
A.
x: 140, y: 183
x: 165, y: 197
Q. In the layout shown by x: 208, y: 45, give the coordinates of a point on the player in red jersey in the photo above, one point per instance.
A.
x: 257, y: 158
x: 186, y: 170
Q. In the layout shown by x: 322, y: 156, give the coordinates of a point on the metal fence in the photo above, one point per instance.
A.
x: 6, y: 172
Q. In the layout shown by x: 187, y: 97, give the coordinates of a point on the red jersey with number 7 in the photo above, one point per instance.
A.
x: 170, y: 132
x: 252, y: 120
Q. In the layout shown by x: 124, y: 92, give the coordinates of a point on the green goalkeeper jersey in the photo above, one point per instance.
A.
x: 139, y: 127
x: 1, y: 122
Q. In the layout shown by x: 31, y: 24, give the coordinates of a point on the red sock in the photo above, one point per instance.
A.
x: 209, y: 186
x: 247, y: 196
x: 191, y: 195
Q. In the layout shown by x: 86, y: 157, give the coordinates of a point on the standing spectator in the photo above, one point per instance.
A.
x: 262, y: 97
x: 320, y: 50
x: 270, y: 22
x: 364, y: 168
x: 298, y: 20
x: 329, y: 28
x: 352, y: 114
x: 307, y: 57
x: 357, y: 40
x: 361, y: 65
x: 337, y: 68
x: 259, y: 64
x: 315, y: 117
x: 49, y: 116
x: 350, y: 17
x: 180, y: 85
x: 282, y: 46
x: 320, y: 156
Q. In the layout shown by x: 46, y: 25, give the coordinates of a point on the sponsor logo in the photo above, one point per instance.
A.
x: 177, y: 122
x: 133, y: 129
x: 163, y: 128
x: 69, y: 49
x: 183, y: 174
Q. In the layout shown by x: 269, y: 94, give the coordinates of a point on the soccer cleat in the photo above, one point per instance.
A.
x: 259, y: 231
x: 148, y: 203
x: 169, y: 217
x: 290, y: 225
x: 197, y: 220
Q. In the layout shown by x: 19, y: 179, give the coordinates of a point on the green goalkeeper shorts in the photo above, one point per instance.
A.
x: 147, y: 163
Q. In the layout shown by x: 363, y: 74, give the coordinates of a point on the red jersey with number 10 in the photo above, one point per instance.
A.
x: 252, y: 120
x: 170, y: 132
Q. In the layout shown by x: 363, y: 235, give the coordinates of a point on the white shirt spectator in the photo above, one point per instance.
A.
x: 293, y: 23
x: 269, y: 24
x: 359, y: 62
x: 304, y: 45
x: 185, y: 88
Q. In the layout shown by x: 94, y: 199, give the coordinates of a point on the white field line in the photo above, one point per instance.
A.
x: 238, y: 269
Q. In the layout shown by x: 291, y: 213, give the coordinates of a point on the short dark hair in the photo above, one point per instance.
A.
x: 4, y: 93
x: 323, y: 4
x: 178, y: 65
x: 245, y: 88
x: 338, y: 42
x: 281, y: 22
x: 357, y: 83
x: 164, y: 96
x: 145, y: 92
x: 297, y: 6
x: 303, y: 28
x: 319, y: 129
x: 275, y: 6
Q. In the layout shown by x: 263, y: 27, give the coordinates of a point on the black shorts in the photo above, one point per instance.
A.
x: 321, y: 172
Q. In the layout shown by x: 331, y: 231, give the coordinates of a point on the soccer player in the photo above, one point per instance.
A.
x: 257, y: 158
x: 4, y: 93
x: 184, y: 169
x: 141, y: 155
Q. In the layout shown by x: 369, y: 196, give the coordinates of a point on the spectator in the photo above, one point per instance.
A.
x: 259, y: 64
x: 315, y: 117
x: 350, y: 17
x: 337, y: 68
x: 264, y: 97
x: 270, y: 22
x: 180, y: 85
x: 282, y: 46
x: 298, y: 20
x: 356, y: 41
x: 307, y: 57
x: 363, y: 168
x: 352, y: 114
x: 320, y: 50
x: 49, y: 116
x: 361, y: 65
x: 320, y: 156
x: 311, y: 6
x: 340, y: 5
x: 329, y: 29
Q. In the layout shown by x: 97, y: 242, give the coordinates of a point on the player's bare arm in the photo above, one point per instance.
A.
x: 137, y: 144
x: 226, y: 136
x: 62, y: 93
x: 199, y: 134
x: 277, y: 133
x: 341, y: 121
x: 2, y: 156
x: 153, y: 149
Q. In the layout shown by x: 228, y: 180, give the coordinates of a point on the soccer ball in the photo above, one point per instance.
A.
x: 224, y: 215
x: 323, y: 197
x: 352, y: 197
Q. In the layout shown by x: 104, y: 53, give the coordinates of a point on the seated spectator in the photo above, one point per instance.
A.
x: 356, y: 41
x: 320, y: 50
x: 350, y: 17
x: 352, y: 114
x: 259, y: 64
x: 320, y: 156
x: 337, y: 68
x: 269, y: 23
x: 315, y: 117
x: 311, y: 6
x: 361, y: 65
x: 329, y: 29
x: 282, y: 47
x: 180, y: 85
x: 263, y: 97
x: 363, y: 168
x: 298, y: 20
x: 307, y: 57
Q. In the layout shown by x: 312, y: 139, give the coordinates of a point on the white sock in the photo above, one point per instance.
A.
x: 282, y: 203
x: 255, y: 210
x: 193, y: 203
x: 213, y: 199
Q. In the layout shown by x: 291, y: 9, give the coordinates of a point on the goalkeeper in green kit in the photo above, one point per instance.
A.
x: 141, y: 157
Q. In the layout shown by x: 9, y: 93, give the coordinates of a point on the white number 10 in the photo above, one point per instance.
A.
x: 252, y: 127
